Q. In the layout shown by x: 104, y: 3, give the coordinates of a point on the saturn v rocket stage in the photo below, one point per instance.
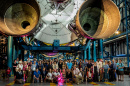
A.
x: 92, y: 19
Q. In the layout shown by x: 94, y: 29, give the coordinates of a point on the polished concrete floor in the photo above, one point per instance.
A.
x: 126, y: 82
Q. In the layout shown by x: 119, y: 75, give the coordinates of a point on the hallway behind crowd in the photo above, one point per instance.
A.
x: 76, y: 71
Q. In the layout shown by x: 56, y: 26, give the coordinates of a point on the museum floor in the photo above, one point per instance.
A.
x: 126, y: 82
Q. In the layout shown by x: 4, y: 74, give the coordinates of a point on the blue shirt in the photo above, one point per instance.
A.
x: 105, y: 66
x: 37, y: 74
x: 117, y: 64
x: 36, y: 62
x: 69, y: 65
x: 114, y: 66
x: 121, y: 65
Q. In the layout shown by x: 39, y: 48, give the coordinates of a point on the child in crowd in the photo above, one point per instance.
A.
x: 8, y: 73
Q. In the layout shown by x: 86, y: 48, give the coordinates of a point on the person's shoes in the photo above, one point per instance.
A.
x: 119, y: 80
x: 122, y: 80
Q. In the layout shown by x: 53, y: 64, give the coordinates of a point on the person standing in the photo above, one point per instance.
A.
x: 69, y: 64
x: 99, y: 66
x: 60, y: 65
x: 17, y: 61
x: 33, y: 68
x: 55, y: 65
x: 111, y: 72
x: 25, y: 67
x: 20, y: 65
x: 80, y: 65
x: 121, y: 70
x: 49, y: 66
x: 86, y: 62
x: 129, y: 69
x: 14, y: 68
x: 29, y: 74
x: 106, y: 71
x: 89, y: 65
x: 95, y: 72
x: 114, y: 69
x: 40, y: 66
x: 117, y: 71
x: 4, y: 67
x: 83, y: 65
x: 44, y: 73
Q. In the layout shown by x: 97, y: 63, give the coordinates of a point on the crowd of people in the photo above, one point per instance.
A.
x: 76, y: 71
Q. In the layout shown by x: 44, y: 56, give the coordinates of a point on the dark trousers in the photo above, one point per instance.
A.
x: 111, y: 75
x: 89, y: 80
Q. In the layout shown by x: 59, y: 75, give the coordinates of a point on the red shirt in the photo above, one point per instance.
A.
x: 8, y: 71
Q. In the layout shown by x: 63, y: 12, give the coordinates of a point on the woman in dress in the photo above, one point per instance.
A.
x: 29, y: 74
x: 95, y: 72
x: 111, y: 72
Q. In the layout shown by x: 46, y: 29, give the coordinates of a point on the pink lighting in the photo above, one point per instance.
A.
x: 60, y: 80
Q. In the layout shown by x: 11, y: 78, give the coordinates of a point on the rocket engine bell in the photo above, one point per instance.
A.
x: 97, y: 19
x: 18, y: 17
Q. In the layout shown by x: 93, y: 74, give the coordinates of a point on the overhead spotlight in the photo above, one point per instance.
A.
x: 117, y: 32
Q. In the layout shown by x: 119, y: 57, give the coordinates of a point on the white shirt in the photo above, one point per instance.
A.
x: 58, y: 73
x: 80, y: 74
x: 99, y: 64
x: 49, y: 75
x: 54, y: 73
x: 20, y: 66
x: 76, y: 71
x: 89, y: 74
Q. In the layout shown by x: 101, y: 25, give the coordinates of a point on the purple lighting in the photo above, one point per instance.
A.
x: 60, y: 80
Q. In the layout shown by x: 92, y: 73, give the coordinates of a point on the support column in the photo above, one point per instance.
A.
x: 100, y: 48
x: 85, y: 54
x: 94, y: 51
x: 10, y: 51
x: 89, y: 52
x: 127, y: 36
